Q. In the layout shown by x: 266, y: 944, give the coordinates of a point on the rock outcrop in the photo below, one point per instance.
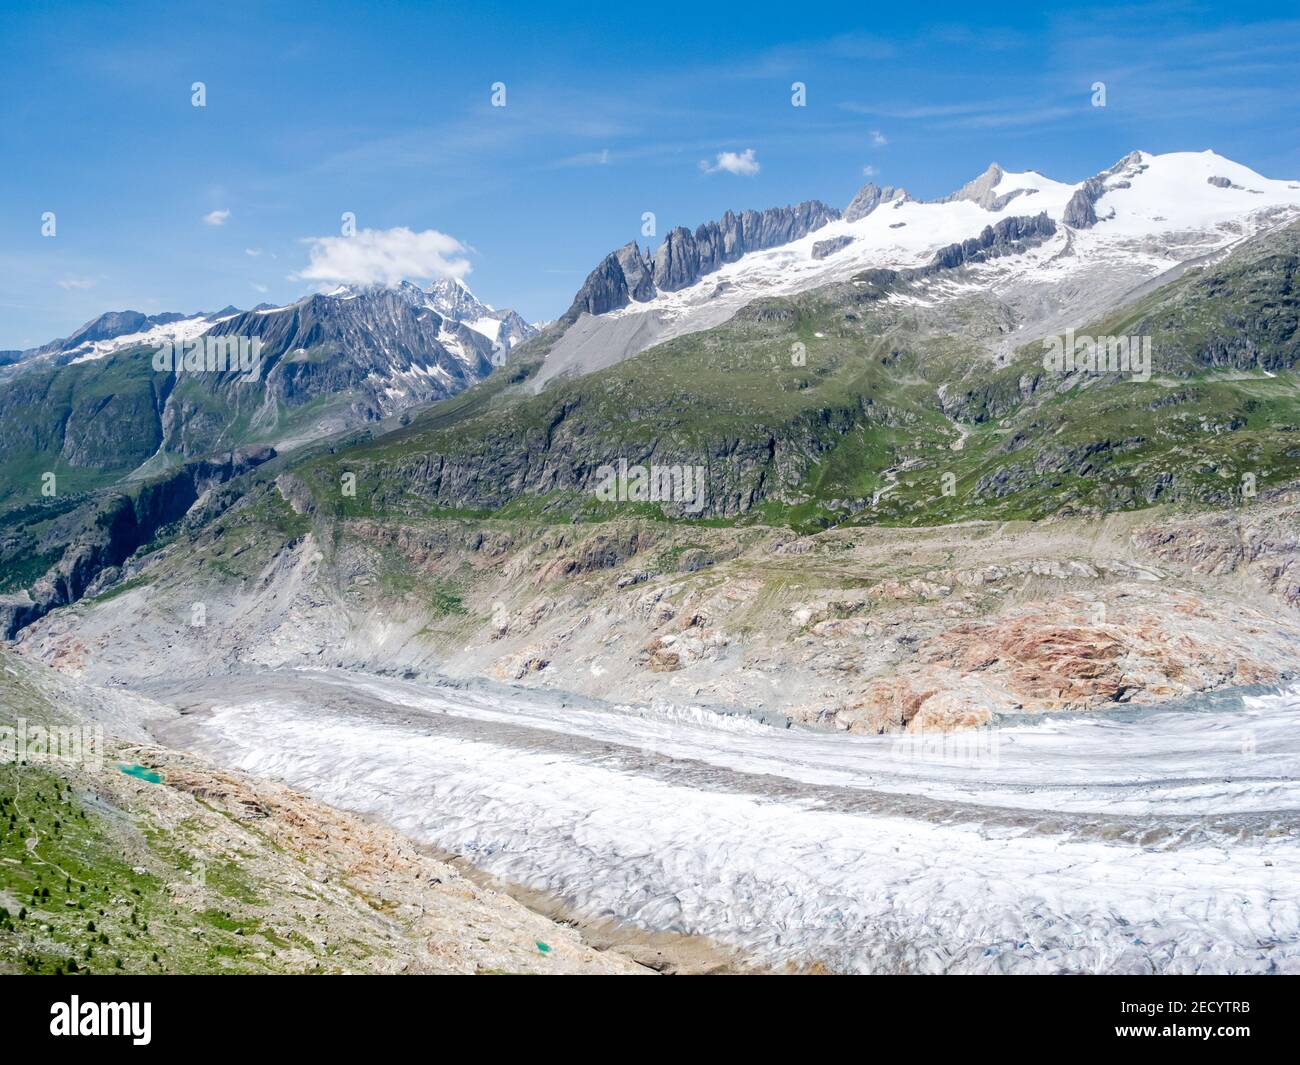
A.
x: 869, y: 197
x: 1079, y: 212
x: 1008, y: 237
x: 822, y: 248
x: 630, y: 274
x: 116, y: 527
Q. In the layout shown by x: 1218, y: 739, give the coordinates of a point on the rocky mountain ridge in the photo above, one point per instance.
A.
x: 1117, y: 231
x: 326, y: 363
x: 117, y: 330
x: 631, y: 274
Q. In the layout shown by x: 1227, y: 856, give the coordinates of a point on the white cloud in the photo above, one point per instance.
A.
x: 869, y: 171
x: 254, y: 252
x: 216, y: 218
x: 259, y: 288
x: 878, y: 139
x: 69, y: 283
x: 742, y: 163
x: 384, y: 257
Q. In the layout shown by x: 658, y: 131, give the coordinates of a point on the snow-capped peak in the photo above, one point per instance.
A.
x: 1137, y: 220
x: 451, y: 297
x: 1141, y: 196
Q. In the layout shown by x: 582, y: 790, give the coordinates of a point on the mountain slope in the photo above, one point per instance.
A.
x: 915, y: 394
x: 138, y: 859
x: 1133, y: 224
x: 683, y: 258
x: 906, y: 521
x: 895, y: 390
x: 111, y: 332
x: 97, y: 409
x: 452, y: 299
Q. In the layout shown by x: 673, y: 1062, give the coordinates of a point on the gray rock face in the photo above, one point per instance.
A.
x: 115, y: 526
x: 980, y: 190
x: 677, y: 261
x: 1007, y: 237
x: 451, y: 299
x: 684, y: 257
x: 1010, y: 236
x: 823, y: 248
x: 779, y: 225
x: 606, y: 289
x: 107, y: 326
x: 454, y: 301
x: 1079, y: 212
x: 372, y: 335
x: 119, y: 323
x: 638, y: 271
x: 869, y: 197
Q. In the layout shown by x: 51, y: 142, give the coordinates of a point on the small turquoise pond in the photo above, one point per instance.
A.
x: 143, y: 772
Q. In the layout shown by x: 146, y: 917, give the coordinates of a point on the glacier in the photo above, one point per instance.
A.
x: 1144, y: 840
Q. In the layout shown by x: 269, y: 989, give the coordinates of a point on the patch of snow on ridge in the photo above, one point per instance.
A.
x: 489, y: 327
x: 156, y: 336
x: 1032, y: 184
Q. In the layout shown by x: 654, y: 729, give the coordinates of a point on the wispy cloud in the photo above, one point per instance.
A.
x: 385, y: 257
x: 253, y: 252
x: 600, y: 158
x: 792, y: 60
x: 216, y: 218
x: 741, y: 163
x: 869, y: 171
x: 71, y: 283
x: 1195, y: 73
x: 971, y: 114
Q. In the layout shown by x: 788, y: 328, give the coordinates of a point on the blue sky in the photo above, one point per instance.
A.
x: 384, y: 110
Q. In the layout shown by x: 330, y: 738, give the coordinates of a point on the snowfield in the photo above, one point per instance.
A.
x: 1148, y: 203
x: 1157, y: 215
x: 1143, y: 841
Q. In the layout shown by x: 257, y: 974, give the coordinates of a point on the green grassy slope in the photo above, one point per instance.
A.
x: 876, y: 410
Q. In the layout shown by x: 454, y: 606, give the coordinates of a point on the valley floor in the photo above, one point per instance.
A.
x: 1066, y: 747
